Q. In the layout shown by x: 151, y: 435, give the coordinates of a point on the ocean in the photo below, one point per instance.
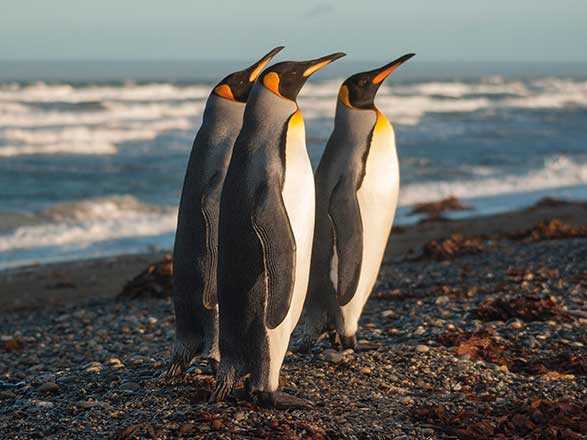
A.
x: 92, y: 156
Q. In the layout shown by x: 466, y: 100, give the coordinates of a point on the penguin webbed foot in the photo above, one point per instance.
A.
x: 281, y: 400
x: 348, y: 342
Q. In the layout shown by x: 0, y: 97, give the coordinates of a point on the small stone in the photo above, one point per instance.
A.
x: 194, y: 370
x: 67, y: 379
x: 88, y: 404
x: 443, y: 299
x: 5, y: 395
x: 422, y: 348
x: 130, y: 386
x: 44, y: 378
x: 333, y: 357
x: 43, y: 403
x: 216, y: 425
x: 516, y: 325
x: 407, y: 400
x: 365, y: 370
x: 93, y: 367
x: 388, y: 314
x: 115, y: 363
x: 49, y: 387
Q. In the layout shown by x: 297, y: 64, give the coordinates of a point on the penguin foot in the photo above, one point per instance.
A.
x: 306, y: 345
x: 281, y: 400
x: 180, y: 361
x: 213, y: 364
x: 348, y: 342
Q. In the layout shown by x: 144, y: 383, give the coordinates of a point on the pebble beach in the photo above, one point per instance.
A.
x: 465, y: 337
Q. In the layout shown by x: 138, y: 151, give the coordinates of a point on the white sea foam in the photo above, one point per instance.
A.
x: 95, y: 148
x: 42, y: 92
x: 558, y: 172
x: 90, y: 221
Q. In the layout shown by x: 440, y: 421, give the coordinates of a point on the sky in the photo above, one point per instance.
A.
x: 448, y: 30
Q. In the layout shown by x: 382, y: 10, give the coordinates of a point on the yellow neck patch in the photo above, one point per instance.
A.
x: 382, y: 123
x: 224, y: 91
x: 296, y: 119
x: 271, y: 81
x: 343, y: 95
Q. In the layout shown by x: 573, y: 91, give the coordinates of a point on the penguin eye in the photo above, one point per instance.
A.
x: 362, y: 83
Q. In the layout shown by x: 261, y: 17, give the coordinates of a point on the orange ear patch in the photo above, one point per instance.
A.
x: 271, y: 81
x: 224, y: 91
x: 343, y: 95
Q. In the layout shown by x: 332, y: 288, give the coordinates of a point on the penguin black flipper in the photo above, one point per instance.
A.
x: 345, y: 215
x: 272, y: 226
x: 209, y: 206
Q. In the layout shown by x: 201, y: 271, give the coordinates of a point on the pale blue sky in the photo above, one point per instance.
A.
x: 524, y: 30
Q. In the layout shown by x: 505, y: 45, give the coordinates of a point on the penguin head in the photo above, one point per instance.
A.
x: 237, y: 86
x: 286, y: 79
x: 359, y: 90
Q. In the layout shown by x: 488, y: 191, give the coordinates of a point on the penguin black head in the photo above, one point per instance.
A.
x: 359, y: 90
x: 238, y: 85
x: 286, y: 79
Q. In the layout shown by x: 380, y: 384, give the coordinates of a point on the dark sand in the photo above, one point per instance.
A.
x: 487, y: 344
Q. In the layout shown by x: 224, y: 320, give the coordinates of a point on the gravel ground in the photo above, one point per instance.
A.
x: 448, y: 362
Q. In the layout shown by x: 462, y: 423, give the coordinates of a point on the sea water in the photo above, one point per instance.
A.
x: 92, y: 163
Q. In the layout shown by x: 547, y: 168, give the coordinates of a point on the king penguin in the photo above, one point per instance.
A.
x: 265, y: 236
x: 196, y: 240
x: 357, y: 186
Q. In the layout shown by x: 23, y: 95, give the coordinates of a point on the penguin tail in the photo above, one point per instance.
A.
x: 224, y: 383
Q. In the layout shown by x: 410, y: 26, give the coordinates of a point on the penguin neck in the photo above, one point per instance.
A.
x: 266, y: 110
x: 355, y: 124
x: 223, y: 117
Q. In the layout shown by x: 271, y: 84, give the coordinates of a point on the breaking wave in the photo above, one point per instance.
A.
x: 558, y: 172
x: 89, y: 221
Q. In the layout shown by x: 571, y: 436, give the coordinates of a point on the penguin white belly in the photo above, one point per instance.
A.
x: 299, y: 200
x: 377, y: 199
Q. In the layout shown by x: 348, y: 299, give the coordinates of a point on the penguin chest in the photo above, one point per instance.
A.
x: 299, y: 200
x: 377, y: 197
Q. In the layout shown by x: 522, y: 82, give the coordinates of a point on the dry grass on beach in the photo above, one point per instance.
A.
x: 485, y: 344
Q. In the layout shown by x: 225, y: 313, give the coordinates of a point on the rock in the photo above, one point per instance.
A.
x: 115, y: 363
x: 93, y: 367
x: 49, y: 387
x: 43, y: 403
x: 407, y: 400
x: 516, y: 325
x: 44, y: 378
x: 422, y: 348
x: 365, y: 370
x: 442, y: 299
x: 388, y: 314
x: 88, y: 404
x: 5, y: 395
x: 129, y: 386
x: 67, y: 379
x: 334, y: 357
x: 194, y: 370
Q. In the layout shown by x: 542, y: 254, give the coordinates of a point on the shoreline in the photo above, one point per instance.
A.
x: 85, y: 281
